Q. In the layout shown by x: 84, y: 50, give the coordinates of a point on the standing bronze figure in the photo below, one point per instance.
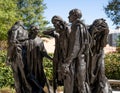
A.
x: 61, y: 27
x: 16, y: 38
x: 98, y: 82
x: 76, y: 63
x: 33, y: 67
x: 61, y: 34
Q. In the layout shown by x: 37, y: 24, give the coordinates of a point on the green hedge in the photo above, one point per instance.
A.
x: 112, y: 65
x: 6, y: 78
x: 48, y: 68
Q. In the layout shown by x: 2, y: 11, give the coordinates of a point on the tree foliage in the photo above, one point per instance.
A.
x: 32, y: 12
x: 8, y: 16
x: 113, y: 11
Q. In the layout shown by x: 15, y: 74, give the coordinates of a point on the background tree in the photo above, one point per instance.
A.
x: 8, y: 16
x: 32, y: 12
x: 113, y: 11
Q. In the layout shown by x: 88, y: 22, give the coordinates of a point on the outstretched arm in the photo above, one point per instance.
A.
x: 51, y: 32
x: 44, y: 52
x: 47, y: 56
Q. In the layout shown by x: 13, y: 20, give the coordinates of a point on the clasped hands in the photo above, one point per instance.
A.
x: 66, y: 66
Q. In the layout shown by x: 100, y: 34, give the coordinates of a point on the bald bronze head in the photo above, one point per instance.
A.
x: 74, y: 14
x: 56, y: 18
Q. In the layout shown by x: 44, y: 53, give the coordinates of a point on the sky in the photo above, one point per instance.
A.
x: 91, y: 10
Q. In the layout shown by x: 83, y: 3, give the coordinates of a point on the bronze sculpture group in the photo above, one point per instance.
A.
x: 78, y: 61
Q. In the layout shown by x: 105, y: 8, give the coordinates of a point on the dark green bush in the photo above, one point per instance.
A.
x: 2, y: 56
x: 6, y: 78
x: 112, y: 65
x: 48, y: 68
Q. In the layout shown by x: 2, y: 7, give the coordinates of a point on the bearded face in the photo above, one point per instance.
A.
x: 99, y: 32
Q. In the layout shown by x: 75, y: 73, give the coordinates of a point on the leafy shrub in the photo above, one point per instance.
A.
x: 6, y: 78
x: 112, y: 65
x: 48, y: 68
